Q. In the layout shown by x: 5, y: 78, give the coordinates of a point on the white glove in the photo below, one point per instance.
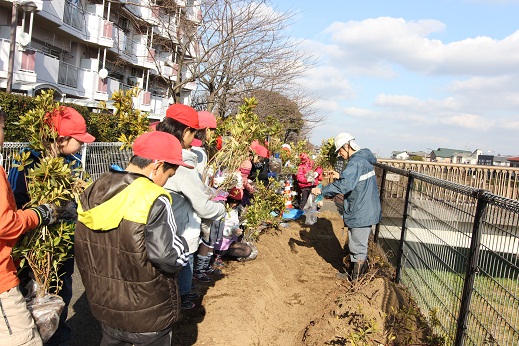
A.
x: 218, y: 181
x: 239, y: 180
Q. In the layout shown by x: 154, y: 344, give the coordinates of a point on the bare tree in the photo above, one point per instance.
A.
x: 244, y: 47
x: 229, y: 49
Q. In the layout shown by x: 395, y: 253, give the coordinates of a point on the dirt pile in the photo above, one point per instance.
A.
x: 290, y: 295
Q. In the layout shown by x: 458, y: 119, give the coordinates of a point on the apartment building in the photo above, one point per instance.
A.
x: 87, y: 49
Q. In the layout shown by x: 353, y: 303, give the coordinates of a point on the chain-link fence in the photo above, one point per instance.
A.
x: 96, y: 158
x: 456, y: 249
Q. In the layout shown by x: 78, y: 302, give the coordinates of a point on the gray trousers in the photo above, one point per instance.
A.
x: 358, y: 238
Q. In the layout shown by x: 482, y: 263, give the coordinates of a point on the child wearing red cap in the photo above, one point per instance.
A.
x: 17, y: 326
x: 71, y: 130
x: 260, y: 163
x: 202, y: 267
x: 128, y: 251
x: 207, y: 124
x: 191, y: 202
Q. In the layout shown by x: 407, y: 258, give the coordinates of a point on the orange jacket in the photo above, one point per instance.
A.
x: 13, y: 223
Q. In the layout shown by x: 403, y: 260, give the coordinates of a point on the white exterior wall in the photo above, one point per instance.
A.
x: 76, y: 51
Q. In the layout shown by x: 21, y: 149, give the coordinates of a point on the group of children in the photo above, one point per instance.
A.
x: 148, y: 230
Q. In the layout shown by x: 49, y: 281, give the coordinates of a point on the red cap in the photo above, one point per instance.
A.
x: 259, y: 149
x: 236, y: 194
x: 185, y: 114
x: 159, y: 145
x: 69, y: 123
x: 206, y: 120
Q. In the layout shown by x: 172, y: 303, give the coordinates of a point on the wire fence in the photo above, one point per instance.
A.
x: 96, y: 158
x: 456, y: 249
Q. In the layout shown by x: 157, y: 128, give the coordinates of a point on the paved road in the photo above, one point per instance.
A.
x: 86, y: 331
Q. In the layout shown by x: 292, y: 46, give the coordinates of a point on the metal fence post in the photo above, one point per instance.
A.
x: 410, y: 183
x: 381, y: 192
x: 472, y: 269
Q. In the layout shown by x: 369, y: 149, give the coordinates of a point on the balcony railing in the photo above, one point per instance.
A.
x: 73, y: 15
x: 502, y: 181
x: 68, y: 74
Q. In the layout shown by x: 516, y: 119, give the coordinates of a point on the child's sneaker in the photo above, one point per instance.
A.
x: 193, y: 296
x: 185, y: 303
x: 218, y: 263
x: 213, y: 271
x: 202, y: 277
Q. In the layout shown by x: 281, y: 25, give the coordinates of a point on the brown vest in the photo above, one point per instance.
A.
x: 124, y: 290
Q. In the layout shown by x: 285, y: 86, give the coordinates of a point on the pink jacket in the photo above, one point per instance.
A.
x: 305, y: 167
x: 245, y: 168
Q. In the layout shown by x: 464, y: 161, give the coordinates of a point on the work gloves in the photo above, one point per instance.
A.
x: 50, y: 213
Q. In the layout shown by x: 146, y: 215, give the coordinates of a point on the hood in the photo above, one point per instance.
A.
x: 366, y: 154
x: 305, y: 159
x: 189, y: 157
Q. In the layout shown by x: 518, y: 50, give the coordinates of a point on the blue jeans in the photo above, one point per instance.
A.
x: 185, y: 277
x: 358, y: 238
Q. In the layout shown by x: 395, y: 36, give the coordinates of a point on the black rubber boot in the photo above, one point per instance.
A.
x: 359, y: 268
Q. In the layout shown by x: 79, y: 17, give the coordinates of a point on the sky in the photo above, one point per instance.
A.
x: 413, y: 75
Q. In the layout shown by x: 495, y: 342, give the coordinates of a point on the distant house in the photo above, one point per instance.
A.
x: 470, y: 158
x: 514, y: 161
x: 501, y: 161
x: 415, y: 154
x: 400, y: 155
x: 492, y: 160
x: 486, y: 160
x: 450, y: 155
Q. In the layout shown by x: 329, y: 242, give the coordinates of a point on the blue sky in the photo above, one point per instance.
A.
x: 413, y: 75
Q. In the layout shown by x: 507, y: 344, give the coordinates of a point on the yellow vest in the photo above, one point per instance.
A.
x: 124, y: 205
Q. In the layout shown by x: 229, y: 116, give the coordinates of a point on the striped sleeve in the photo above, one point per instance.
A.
x: 166, y: 249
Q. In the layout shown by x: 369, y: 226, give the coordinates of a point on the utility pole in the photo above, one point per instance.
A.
x: 12, y: 47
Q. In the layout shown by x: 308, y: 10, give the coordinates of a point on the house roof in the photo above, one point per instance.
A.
x: 394, y: 153
x: 501, y: 158
x: 446, y: 152
x: 514, y: 159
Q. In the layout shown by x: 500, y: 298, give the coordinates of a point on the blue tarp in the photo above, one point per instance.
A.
x: 292, y: 214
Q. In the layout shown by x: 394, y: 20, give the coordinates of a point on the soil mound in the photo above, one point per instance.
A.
x: 290, y: 295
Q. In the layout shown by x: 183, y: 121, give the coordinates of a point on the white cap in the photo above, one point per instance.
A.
x: 343, y: 138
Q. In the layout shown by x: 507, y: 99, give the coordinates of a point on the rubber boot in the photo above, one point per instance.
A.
x: 209, y: 269
x: 200, y: 267
x: 359, y: 268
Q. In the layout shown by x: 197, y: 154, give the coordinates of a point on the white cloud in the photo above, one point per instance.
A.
x: 466, y: 94
x: 327, y: 81
x: 373, y: 44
